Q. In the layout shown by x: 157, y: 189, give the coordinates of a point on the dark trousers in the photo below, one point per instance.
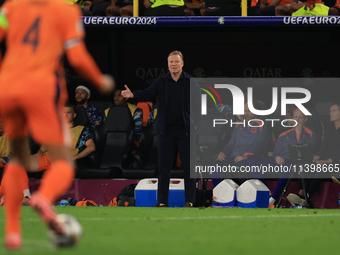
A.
x: 167, y: 146
x: 312, y: 184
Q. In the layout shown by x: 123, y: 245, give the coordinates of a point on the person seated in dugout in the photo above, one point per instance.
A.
x: 329, y: 155
x: 298, y: 134
x: 82, y: 145
x: 149, y: 109
x: 82, y: 96
x: 249, y: 139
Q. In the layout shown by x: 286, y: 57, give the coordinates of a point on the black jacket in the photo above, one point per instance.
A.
x: 159, y: 88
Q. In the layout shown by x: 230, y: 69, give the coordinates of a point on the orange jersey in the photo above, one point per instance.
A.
x: 38, y: 34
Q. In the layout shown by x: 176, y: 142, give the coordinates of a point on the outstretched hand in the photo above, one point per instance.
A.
x: 127, y: 93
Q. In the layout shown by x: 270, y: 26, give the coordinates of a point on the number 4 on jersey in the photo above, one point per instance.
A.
x: 31, y: 37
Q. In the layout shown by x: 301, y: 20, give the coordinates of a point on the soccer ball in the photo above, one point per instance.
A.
x: 73, y: 231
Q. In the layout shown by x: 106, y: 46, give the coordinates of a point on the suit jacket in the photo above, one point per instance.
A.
x: 159, y: 88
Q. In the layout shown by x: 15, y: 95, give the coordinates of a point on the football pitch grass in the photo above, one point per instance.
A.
x: 133, y: 230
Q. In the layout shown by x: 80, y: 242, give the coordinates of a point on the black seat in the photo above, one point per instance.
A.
x: 113, y: 140
x: 146, y: 155
x: 81, y: 117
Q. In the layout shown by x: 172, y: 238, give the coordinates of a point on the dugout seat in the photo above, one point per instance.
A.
x: 81, y: 117
x: 146, y: 155
x: 113, y: 140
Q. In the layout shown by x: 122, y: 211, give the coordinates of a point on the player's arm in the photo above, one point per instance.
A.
x: 90, y: 147
x: 82, y: 61
x: 71, y: 28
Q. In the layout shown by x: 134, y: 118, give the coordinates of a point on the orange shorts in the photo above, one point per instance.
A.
x: 40, y: 116
x: 44, y: 162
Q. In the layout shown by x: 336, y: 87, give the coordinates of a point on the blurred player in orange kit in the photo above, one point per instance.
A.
x: 32, y: 97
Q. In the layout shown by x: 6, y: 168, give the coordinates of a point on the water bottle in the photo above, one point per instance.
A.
x: 339, y: 199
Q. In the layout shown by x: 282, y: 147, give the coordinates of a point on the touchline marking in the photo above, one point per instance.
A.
x: 211, y: 217
x: 198, y: 218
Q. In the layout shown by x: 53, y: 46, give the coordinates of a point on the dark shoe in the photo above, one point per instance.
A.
x: 159, y: 205
x: 188, y: 204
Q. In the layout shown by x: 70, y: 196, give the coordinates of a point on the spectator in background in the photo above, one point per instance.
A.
x: 328, y: 154
x: 336, y: 8
x: 194, y: 8
x: 82, y: 96
x: 98, y: 7
x: 313, y: 8
x: 164, y: 8
x: 267, y: 7
x: 84, y: 6
x: 127, y: 10
x: 223, y: 8
x: 137, y: 113
x: 123, y: 8
x: 298, y: 134
x: 115, y: 8
x: 288, y: 9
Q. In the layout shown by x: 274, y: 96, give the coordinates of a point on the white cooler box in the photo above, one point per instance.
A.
x: 224, y: 194
x: 146, y: 193
x: 252, y: 194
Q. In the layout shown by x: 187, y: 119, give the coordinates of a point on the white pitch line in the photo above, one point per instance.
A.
x: 210, y: 217
x: 197, y: 218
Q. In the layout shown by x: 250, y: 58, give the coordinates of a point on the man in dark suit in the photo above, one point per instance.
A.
x: 173, y: 124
